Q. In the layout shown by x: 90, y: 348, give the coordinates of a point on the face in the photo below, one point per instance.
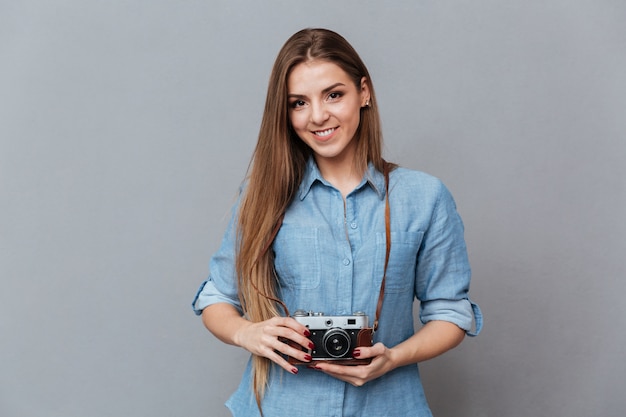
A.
x: 324, y: 109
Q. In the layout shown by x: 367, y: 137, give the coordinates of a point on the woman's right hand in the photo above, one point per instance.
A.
x: 267, y: 338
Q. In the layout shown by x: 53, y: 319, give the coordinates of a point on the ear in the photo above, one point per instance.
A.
x: 365, y: 92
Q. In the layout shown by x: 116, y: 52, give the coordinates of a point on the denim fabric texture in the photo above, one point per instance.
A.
x: 329, y: 257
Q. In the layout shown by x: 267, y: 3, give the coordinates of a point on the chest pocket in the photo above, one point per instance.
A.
x: 297, y: 257
x: 402, y: 260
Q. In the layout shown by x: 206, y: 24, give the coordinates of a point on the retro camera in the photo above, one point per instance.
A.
x: 335, y: 337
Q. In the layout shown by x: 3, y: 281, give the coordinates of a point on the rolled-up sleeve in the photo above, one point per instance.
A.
x: 463, y: 313
x: 221, y: 285
x: 443, y: 272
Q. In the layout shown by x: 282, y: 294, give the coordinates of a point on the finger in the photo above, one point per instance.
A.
x: 289, y: 348
x: 364, y: 352
x: 355, y: 375
x: 301, y: 334
x: 290, y: 335
x: 276, y: 335
x: 277, y: 351
x: 357, y: 371
x: 280, y: 361
x: 288, y: 343
x: 297, y: 342
x: 292, y: 324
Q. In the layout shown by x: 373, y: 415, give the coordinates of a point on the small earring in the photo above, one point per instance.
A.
x: 367, y: 103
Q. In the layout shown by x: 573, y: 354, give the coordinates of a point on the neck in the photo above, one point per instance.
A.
x: 340, y: 173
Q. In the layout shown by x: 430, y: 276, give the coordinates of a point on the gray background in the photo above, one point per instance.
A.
x: 126, y: 127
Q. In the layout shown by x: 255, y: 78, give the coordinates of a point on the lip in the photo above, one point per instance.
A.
x: 326, y: 134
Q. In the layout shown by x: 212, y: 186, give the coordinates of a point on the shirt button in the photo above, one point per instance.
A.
x: 353, y: 225
x: 346, y: 262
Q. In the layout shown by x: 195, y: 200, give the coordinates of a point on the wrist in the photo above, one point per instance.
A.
x: 393, y: 358
x: 401, y: 355
x: 238, y: 336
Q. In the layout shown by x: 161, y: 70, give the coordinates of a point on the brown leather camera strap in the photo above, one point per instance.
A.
x: 381, y: 294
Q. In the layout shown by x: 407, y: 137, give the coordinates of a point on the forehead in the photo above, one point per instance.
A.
x: 316, y: 74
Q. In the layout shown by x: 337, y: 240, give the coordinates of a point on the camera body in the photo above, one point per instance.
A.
x: 335, y: 337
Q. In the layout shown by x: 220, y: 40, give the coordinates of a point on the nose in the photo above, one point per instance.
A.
x: 319, y: 113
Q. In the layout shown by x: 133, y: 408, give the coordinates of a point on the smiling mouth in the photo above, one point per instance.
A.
x: 324, y: 133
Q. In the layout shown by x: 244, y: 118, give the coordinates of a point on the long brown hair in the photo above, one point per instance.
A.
x: 277, y: 168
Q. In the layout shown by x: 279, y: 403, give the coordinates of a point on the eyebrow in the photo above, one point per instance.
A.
x: 324, y: 91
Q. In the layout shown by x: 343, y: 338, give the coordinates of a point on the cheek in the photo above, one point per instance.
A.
x: 352, y: 118
x: 349, y: 112
x: 298, y: 120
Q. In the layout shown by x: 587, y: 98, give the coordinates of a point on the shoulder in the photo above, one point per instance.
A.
x: 411, y: 181
x: 419, y: 191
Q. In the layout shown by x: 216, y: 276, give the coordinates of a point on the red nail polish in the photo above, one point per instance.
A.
x: 311, y: 345
x: 356, y: 353
x: 307, y: 333
x: 294, y: 371
x: 307, y: 358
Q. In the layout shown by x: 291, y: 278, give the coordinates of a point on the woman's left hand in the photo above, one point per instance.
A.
x: 359, y: 375
x: 431, y: 340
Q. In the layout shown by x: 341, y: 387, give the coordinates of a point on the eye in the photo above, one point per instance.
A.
x: 335, y: 95
x: 297, y: 104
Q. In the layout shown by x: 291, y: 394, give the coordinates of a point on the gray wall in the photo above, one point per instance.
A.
x: 126, y: 127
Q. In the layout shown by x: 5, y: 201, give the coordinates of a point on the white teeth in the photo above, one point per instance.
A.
x: 325, y: 132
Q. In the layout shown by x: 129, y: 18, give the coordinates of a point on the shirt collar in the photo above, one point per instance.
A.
x: 372, y: 177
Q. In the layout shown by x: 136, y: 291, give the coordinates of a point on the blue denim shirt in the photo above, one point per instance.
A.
x: 329, y: 258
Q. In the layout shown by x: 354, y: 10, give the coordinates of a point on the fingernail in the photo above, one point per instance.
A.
x: 307, y: 333
x: 356, y: 353
x: 313, y: 367
x: 311, y: 345
x: 294, y: 371
x: 307, y: 358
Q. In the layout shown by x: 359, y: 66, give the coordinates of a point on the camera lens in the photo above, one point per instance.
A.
x: 336, y: 342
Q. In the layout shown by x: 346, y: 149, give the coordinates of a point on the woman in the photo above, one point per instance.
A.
x: 309, y: 232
